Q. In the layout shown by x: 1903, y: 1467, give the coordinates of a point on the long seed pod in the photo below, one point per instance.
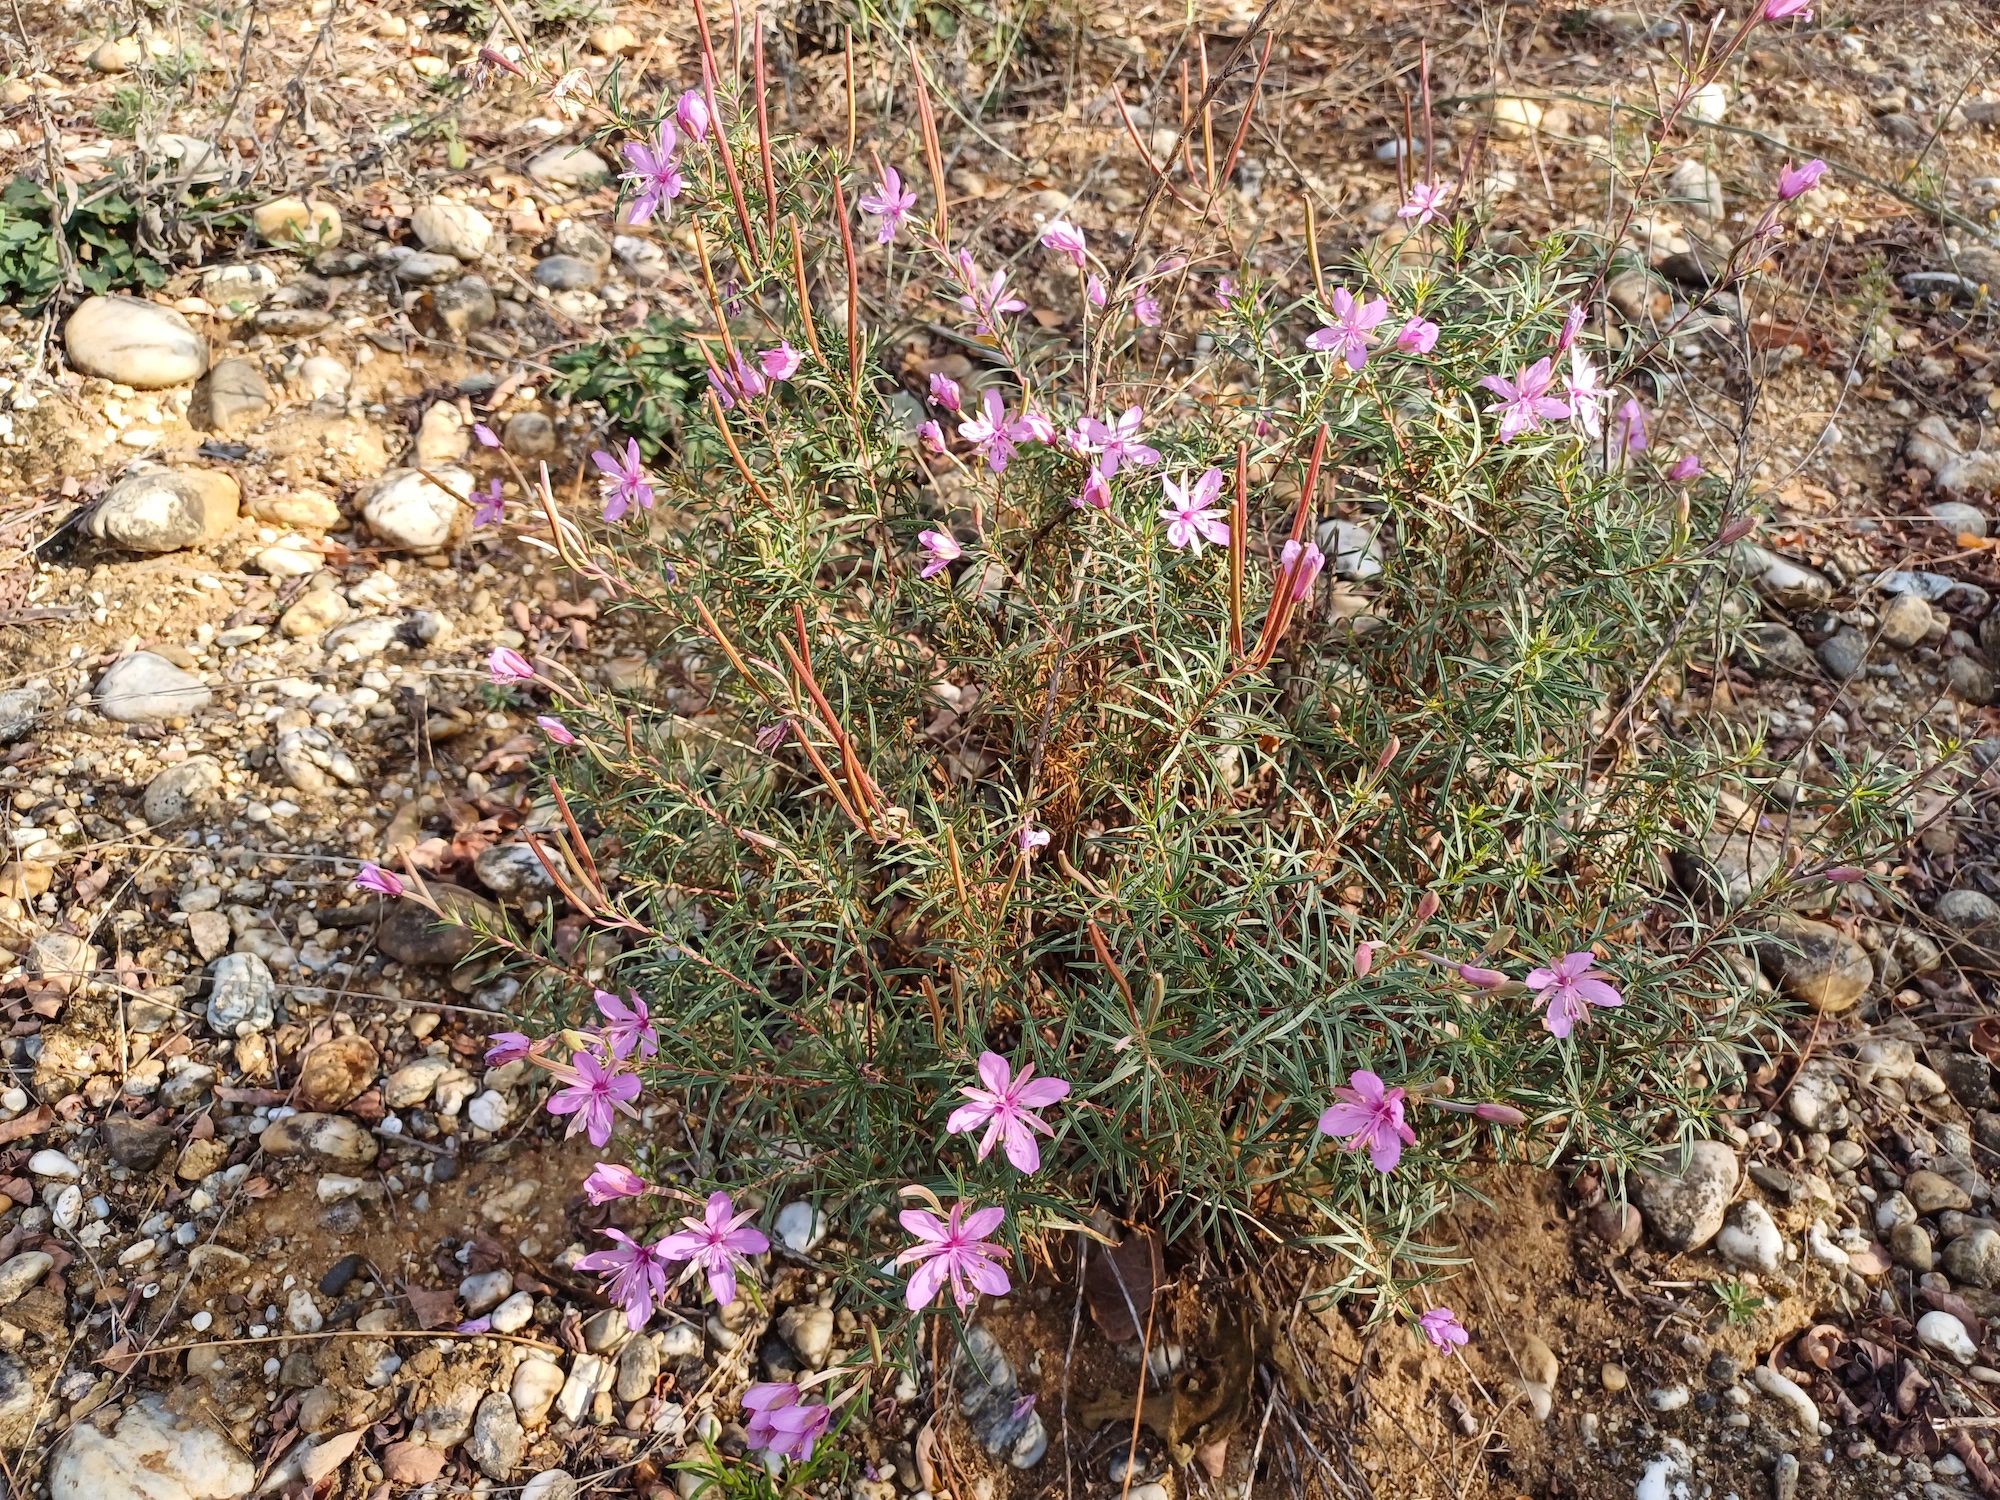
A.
x: 709, y: 70
x: 805, y: 297
x: 1239, y: 538
x: 764, y: 139
x: 851, y: 116
x: 853, y: 289
x: 933, y: 156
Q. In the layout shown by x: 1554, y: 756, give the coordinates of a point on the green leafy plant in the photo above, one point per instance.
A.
x: 100, y: 242
x: 1739, y: 1303
x: 645, y: 380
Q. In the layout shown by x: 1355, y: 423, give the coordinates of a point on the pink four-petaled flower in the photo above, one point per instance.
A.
x: 625, y: 481
x: 780, y: 1424
x: 943, y: 548
x: 1347, y: 336
x: 507, y: 665
x: 1442, y: 1328
x: 1006, y: 1105
x: 991, y: 433
x: 1525, y: 400
x: 595, y: 1099
x: 556, y: 730
x: 635, y: 1275
x: 1792, y: 181
x: 1426, y: 203
x: 1417, y: 336
x: 890, y: 204
x: 610, y: 1179
x: 374, y: 878
x: 781, y: 363
x: 628, y: 1026
x: 1190, y: 520
x: 989, y: 303
x: 1369, y: 1116
x: 654, y: 174
x: 1569, y: 989
x: 1116, y: 442
x: 1066, y: 240
x: 508, y: 1046
x: 717, y: 1244
x: 953, y: 1252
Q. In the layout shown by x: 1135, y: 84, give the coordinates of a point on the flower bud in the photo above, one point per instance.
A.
x: 1427, y: 908
x: 1846, y: 875
x: 1485, y: 979
x: 1364, y: 959
x: 1499, y: 1114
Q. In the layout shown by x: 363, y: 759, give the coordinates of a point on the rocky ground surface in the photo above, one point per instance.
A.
x: 274, y: 1223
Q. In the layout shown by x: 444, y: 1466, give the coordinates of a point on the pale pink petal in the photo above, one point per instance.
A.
x: 924, y: 1284
x: 981, y: 1224
x: 994, y: 1072
x: 923, y: 1225
x: 988, y: 1277
x: 1042, y: 1092
x: 968, y: 1117
x: 1597, y: 992
x: 1021, y: 1148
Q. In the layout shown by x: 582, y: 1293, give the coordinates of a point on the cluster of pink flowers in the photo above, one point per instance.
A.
x: 746, y: 379
x: 638, y: 1276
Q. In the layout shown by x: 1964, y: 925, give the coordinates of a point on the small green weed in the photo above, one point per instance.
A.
x: 645, y: 380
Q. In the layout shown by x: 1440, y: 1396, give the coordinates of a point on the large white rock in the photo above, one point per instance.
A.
x: 164, y: 510
x: 405, y: 509
x: 149, y: 1455
x: 453, y: 228
x: 134, y: 342
x: 568, y: 167
x: 143, y: 686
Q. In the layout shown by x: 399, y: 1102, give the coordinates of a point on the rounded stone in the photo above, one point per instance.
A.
x: 149, y: 1455
x: 313, y: 613
x: 1816, y: 964
x: 453, y: 228
x: 536, y: 1385
x: 1946, y: 1334
x: 241, y: 992
x: 562, y: 166
x: 485, y: 1291
x: 19, y: 709
x: 293, y: 221
x: 412, y: 935
x: 1910, y: 1246
x: 333, y: 1138
x: 567, y: 273
x: 530, y: 434
x: 1969, y: 681
x: 143, y: 686
x: 514, y: 1314
x: 1975, y: 917
x: 1686, y: 1209
x: 1973, y: 1259
x: 1750, y: 1239
x: 337, y: 1072
x: 1905, y: 621
x: 164, y: 510
x: 512, y: 871
x: 407, y: 510
x: 134, y: 342
x: 1933, y: 1193
x: 181, y: 790
x: 497, y: 1440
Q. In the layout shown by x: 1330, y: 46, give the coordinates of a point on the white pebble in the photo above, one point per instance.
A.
x: 51, y: 1163
x: 1943, y: 1332
x: 202, y: 1321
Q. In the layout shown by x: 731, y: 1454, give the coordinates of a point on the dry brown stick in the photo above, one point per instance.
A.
x: 729, y: 438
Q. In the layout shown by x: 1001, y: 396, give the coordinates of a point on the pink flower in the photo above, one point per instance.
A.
x: 1632, y: 426
x: 1687, y: 467
x: 1030, y: 838
x: 1096, y: 493
x: 1371, y: 1116
x: 1033, y: 428
x: 716, y: 1243
x: 945, y: 392
x: 944, y: 551
x: 596, y: 1099
x: 608, y: 1180
x: 1306, y: 561
x: 1190, y: 521
x: 990, y: 303
x: 653, y: 173
x: 1586, y: 396
x: 1093, y: 290
x: 630, y: 1025
x: 508, y: 1046
x: 890, y: 204
x: 1347, y: 336
x: 1005, y: 1106
x: 556, y: 730
x: 1426, y: 203
x: 1117, y: 443
x: 488, y: 438
x: 991, y: 434
x: 508, y: 666
x: 1525, y: 400
x: 635, y: 1276
x: 692, y: 111
x: 626, y: 481
x: 491, y: 509
x: 1442, y: 1328
x: 1793, y: 181
x: 1065, y: 239
x: 1482, y: 979
x: 1364, y: 959
x: 1846, y: 874
x: 475, y: 1326
x: 953, y: 1253
x: 780, y: 1425
x: 740, y: 382
x: 1570, y: 989
x: 1785, y: 10
x: 933, y: 436
x: 1572, y: 326
x: 1147, y: 310
x: 374, y: 878
x: 781, y: 363
x: 1225, y: 290
x: 1417, y: 337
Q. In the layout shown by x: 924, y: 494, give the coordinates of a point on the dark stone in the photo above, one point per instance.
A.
x: 1773, y: 650
x: 1843, y: 653
x: 1970, y: 1079
x: 1617, y: 1224
x: 298, y: 1372
x: 340, y: 1273
x: 1723, y: 1369
x: 1774, y: 1180
x: 1815, y: 625
x: 411, y: 935
x: 567, y: 273
x: 135, y: 1144
x: 1924, y: 285
x: 458, y: 309
x: 1986, y: 1129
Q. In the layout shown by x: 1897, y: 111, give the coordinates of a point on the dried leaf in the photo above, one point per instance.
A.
x: 324, y: 1458
x: 433, y: 1307
x: 1820, y: 1345
x: 1120, y: 1283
